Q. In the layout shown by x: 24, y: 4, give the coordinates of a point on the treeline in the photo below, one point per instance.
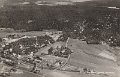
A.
x: 33, y: 17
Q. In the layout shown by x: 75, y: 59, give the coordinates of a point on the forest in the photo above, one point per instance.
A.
x: 92, y: 20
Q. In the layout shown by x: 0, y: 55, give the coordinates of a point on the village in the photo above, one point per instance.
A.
x: 50, y: 51
x: 36, y: 53
x: 33, y: 53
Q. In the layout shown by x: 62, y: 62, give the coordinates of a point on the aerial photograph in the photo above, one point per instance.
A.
x: 59, y: 38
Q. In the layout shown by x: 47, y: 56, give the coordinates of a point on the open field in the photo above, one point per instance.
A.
x: 88, y: 56
x: 25, y: 74
x: 33, y: 33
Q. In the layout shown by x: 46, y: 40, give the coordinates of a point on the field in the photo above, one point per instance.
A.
x: 33, y: 33
x: 88, y: 56
x: 25, y: 74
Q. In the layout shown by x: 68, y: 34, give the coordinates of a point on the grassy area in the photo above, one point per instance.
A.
x: 87, y: 55
x: 25, y: 74
x: 33, y: 33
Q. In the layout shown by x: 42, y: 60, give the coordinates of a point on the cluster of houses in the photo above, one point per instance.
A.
x: 23, y: 52
x: 34, y: 53
x: 60, y: 51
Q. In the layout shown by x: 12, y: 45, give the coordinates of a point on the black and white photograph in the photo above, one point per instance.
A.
x: 59, y: 38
